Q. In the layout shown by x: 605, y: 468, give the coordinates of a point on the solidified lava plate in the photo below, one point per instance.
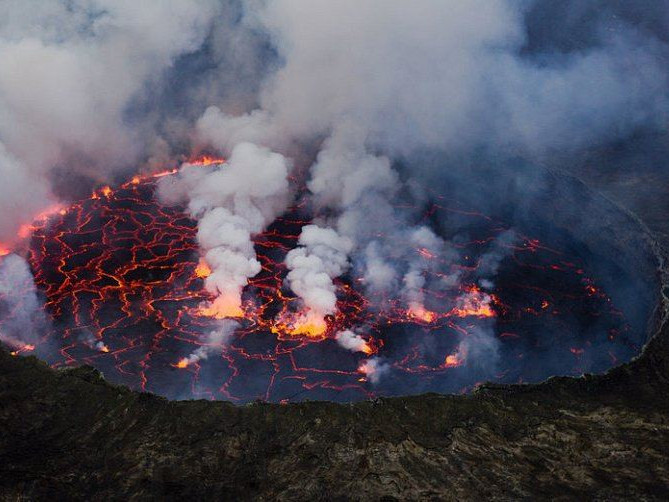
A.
x: 123, y: 287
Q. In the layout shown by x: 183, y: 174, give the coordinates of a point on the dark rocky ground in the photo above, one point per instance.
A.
x: 71, y: 435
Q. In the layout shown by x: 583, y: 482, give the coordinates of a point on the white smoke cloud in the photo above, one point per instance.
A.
x: 479, y: 349
x: 351, y: 341
x: 449, y: 74
x: 321, y: 256
x: 69, y: 72
x: 367, y: 83
x: 429, y: 246
x: 232, y: 202
x: 22, y: 196
x: 22, y: 317
x: 93, y: 342
x: 374, y: 369
x: 385, y: 79
x: 491, y: 260
x: 360, y: 187
x: 215, y: 341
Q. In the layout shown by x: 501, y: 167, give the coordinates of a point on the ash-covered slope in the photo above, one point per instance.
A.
x: 71, y: 435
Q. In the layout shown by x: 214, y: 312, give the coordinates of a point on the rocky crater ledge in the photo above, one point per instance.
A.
x: 72, y: 435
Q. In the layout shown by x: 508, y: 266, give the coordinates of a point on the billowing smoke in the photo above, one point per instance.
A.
x: 232, y: 202
x: 355, y: 91
x: 352, y: 341
x: 216, y: 341
x: 91, y: 87
x: 382, y: 80
x: 322, y: 255
x: 90, y: 339
x: 23, y: 319
x: 71, y: 74
x: 374, y: 369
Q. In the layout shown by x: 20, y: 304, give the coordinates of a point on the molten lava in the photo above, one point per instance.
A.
x: 202, y: 270
x: 222, y: 307
x: 206, y: 160
x: 453, y: 360
x: 309, y: 324
x: 123, y: 286
x: 474, y: 303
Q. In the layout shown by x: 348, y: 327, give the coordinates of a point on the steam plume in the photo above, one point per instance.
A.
x: 93, y: 88
x: 321, y: 257
x: 232, y: 202
x: 215, y: 341
x: 22, y: 318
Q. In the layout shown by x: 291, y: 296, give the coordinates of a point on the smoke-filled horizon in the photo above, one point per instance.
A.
x: 93, y: 87
x: 349, y: 95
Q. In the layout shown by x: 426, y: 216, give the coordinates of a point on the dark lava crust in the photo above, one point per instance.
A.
x: 71, y: 435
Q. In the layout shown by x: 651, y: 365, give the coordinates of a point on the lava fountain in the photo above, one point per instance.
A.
x: 122, y: 285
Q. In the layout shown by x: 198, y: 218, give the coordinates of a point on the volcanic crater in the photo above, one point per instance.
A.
x: 122, y: 285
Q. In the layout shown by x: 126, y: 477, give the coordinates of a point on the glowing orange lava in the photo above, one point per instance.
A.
x: 419, y: 312
x: 128, y: 270
x: 474, y: 303
x: 167, y: 172
x: 26, y: 348
x: 206, y: 160
x: 202, y: 270
x: 224, y: 306
x: 27, y: 229
x: 310, y: 325
x: 453, y: 361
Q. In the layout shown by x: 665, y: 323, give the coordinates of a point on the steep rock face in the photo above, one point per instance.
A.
x: 71, y: 435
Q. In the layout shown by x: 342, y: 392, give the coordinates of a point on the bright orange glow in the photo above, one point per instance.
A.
x: 419, y: 312
x: 164, y: 173
x: 309, y: 328
x: 28, y: 347
x: 311, y: 325
x: 27, y: 229
x: 222, y: 307
x: 474, y: 303
x: 162, y: 282
x: 366, y: 369
x: 206, y: 160
x: 453, y: 360
x: 202, y: 270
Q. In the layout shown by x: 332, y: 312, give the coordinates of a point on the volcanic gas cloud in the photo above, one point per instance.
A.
x: 331, y: 245
x: 129, y: 285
